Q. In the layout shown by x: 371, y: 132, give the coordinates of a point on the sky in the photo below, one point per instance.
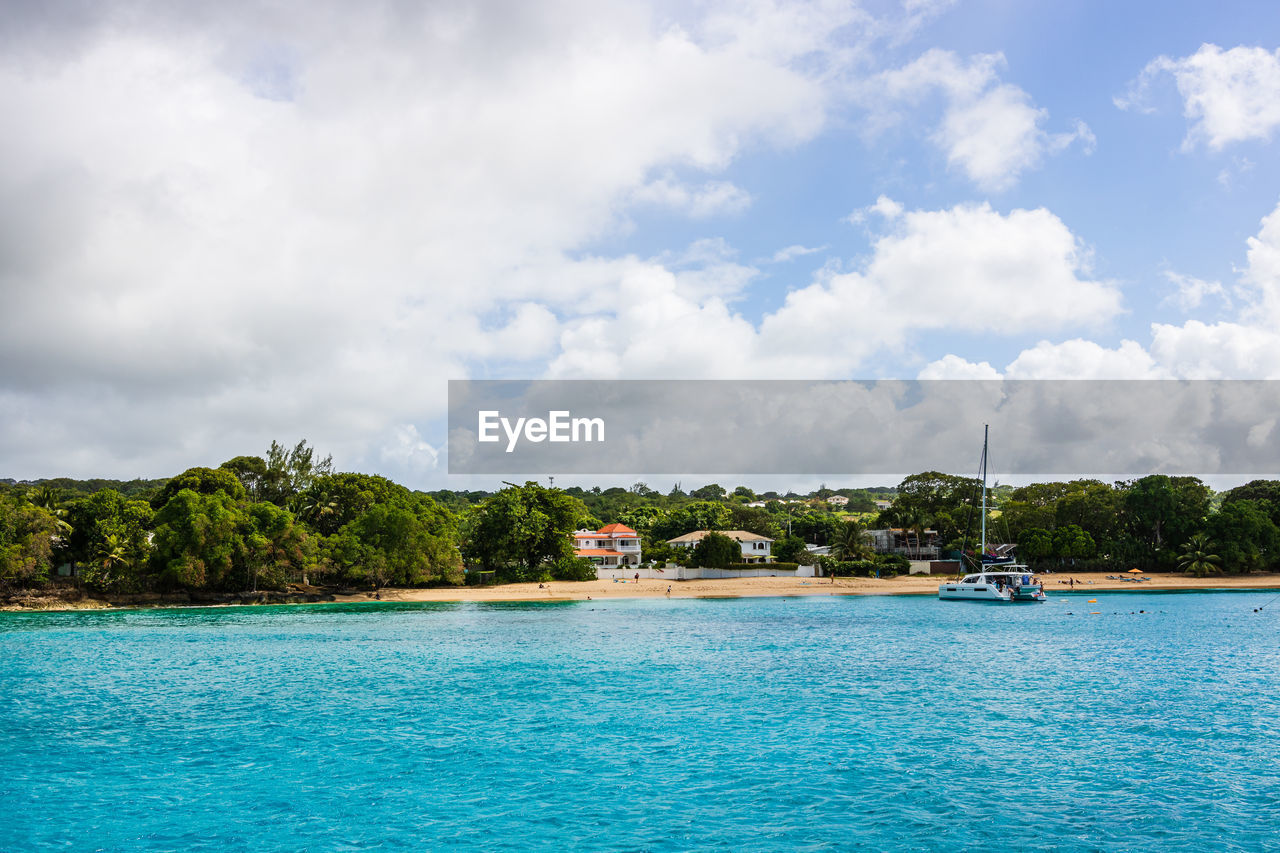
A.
x: 223, y: 224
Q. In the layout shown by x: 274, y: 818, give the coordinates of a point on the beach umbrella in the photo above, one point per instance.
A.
x: 1134, y: 572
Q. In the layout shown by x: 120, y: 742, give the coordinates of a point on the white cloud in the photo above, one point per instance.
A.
x: 1191, y: 291
x: 1246, y: 347
x: 234, y: 232
x: 1081, y: 359
x: 790, y: 253
x: 1198, y: 350
x: 990, y: 131
x: 955, y: 367
x: 884, y: 206
x: 709, y: 199
x: 967, y: 267
x: 1228, y: 96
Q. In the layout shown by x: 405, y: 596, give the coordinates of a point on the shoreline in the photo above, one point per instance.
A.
x: 607, y: 590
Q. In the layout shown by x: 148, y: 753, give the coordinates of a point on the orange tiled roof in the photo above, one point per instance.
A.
x: 616, y: 529
x: 598, y: 552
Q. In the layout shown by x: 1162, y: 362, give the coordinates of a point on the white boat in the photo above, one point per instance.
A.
x: 1013, y: 582
x: 1001, y: 581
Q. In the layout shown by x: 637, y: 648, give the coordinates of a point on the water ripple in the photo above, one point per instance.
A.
x: 755, y: 724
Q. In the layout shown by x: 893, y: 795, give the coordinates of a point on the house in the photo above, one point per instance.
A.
x: 895, y: 540
x: 838, y: 500
x: 611, y: 545
x: 883, y: 505
x: 757, y: 504
x: 755, y: 548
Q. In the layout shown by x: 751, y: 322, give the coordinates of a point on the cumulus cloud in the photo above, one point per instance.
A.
x: 1228, y: 95
x: 884, y: 207
x: 216, y: 233
x: 955, y: 367
x: 1244, y: 347
x: 968, y: 267
x: 990, y: 131
x: 1082, y: 359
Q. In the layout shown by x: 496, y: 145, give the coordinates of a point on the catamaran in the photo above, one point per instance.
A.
x: 996, y: 579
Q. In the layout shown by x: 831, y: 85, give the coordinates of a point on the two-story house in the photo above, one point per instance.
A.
x: 612, y: 545
x: 755, y: 548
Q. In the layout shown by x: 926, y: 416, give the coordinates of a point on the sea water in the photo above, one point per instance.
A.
x: 821, y: 723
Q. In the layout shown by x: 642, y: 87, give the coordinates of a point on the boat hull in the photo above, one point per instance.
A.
x: 1010, y: 587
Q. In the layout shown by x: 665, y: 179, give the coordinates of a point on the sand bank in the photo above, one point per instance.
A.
x: 744, y: 587
x: 1055, y: 584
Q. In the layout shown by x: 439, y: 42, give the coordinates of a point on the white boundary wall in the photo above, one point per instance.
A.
x: 681, y: 573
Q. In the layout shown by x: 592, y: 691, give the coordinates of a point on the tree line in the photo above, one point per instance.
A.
x: 264, y: 522
x: 1153, y: 523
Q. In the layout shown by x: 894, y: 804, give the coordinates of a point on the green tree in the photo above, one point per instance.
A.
x: 1196, y: 558
x: 277, y: 548
x: 199, y: 541
x: 752, y: 519
x: 789, y: 549
x: 391, y: 544
x: 1265, y: 494
x: 716, y: 551
x: 109, y: 570
x: 106, y: 523
x: 291, y: 471
x: 520, y: 529
x: 1035, y: 544
x: 251, y: 471
x: 1163, y: 512
x: 850, y: 542
x: 202, y: 481
x: 709, y: 492
x: 1072, y: 542
x: 27, y: 534
x: 641, y: 519
x: 696, y: 515
x: 1249, y: 538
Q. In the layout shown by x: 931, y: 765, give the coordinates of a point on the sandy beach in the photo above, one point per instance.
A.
x: 1055, y: 584
x: 744, y: 587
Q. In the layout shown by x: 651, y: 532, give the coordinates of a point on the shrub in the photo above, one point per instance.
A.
x: 573, y: 569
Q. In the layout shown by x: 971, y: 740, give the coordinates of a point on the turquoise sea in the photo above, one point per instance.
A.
x: 825, y: 723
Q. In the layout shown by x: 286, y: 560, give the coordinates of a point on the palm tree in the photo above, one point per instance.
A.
x: 314, y: 507
x: 1196, y: 559
x: 50, y: 499
x: 110, y: 553
x: 850, y: 541
x: 913, y: 521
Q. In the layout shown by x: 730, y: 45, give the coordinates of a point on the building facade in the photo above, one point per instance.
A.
x: 611, y: 546
x: 755, y: 548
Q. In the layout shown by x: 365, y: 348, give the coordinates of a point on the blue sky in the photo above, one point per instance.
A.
x: 223, y: 226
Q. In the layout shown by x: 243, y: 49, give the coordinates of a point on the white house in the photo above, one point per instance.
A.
x: 611, y: 545
x: 755, y: 548
x: 882, y: 505
x: 838, y: 500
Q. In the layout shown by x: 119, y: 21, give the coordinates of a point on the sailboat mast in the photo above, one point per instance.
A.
x: 985, y: 428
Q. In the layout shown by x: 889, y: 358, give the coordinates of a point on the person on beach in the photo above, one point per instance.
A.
x: 668, y: 590
x: 637, y: 577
